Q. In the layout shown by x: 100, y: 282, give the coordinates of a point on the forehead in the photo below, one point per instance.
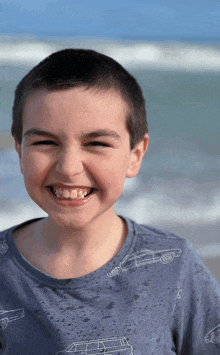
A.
x: 101, y: 107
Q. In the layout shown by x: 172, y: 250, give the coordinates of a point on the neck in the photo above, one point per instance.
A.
x: 68, y: 253
x: 100, y: 233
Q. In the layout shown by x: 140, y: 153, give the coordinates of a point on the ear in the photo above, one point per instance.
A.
x: 18, y: 150
x: 136, y: 157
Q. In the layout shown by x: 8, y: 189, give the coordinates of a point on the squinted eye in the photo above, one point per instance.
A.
x: 44, y: 143
x: 97, y: 144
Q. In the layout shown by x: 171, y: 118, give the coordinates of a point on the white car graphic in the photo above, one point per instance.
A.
x: 108, y: 346
x: 10, y: 316
x: 146, y: 256
x: 3, y: 247
x: 213, y: 336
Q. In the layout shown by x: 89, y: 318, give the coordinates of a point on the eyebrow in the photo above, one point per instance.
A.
x: 102, y: 133
x: 38, y: 132
x: 94, y: 134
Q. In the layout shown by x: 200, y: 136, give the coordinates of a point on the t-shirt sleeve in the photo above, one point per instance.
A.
x: 196, y: 318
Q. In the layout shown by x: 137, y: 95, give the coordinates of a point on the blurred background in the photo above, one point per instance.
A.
x: 173, y: 49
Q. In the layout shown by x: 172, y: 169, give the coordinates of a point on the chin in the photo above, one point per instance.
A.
x: 68, y: 222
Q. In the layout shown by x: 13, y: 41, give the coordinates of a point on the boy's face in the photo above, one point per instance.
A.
x: 74, y: 141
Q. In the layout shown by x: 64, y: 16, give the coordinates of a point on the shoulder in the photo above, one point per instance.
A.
x: 3, y: 240
x: 155, y: 237
x: 168, y: 246
x: 16, y: 230
x: 163, y: 245
x: 156, y: 233
x: 18, y: 227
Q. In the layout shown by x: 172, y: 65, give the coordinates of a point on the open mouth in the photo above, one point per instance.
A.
x: 74, y: 194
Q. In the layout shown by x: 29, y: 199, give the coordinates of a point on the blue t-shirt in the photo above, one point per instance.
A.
x: 155, y: 297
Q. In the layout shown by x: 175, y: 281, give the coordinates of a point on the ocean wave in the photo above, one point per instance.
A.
x: 149, y: 55
x: 168, y: 56
x: 179, y: 202
x: 24, y: 53
x: 19, y: 211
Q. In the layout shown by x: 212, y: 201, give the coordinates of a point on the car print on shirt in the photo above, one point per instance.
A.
x: 213, y: 336
x: 10, y: 316
x: 146, y: 256
x: 108, y: 346
x: 179, y: 294
x: 3, y: 247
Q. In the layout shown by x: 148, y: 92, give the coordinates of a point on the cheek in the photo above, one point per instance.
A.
x: 34, y: 168
x: 110, y: 178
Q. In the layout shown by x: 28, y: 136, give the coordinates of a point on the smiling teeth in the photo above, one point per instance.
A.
x: 73, y: 194
x: 66, y: 194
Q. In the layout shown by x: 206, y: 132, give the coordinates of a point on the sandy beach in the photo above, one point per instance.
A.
x: 213, y: 264
x: 6, y: 140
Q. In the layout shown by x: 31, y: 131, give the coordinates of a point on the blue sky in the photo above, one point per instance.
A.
x: 116, y: 18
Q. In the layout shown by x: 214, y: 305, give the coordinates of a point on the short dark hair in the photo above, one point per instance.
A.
x: 71, y: 68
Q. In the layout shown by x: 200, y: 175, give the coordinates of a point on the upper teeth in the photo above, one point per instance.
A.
x: 64, y: 193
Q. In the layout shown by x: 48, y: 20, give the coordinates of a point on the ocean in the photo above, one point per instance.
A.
x: 178, y: 186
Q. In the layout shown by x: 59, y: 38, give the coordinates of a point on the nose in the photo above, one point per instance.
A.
x: 69, y: 163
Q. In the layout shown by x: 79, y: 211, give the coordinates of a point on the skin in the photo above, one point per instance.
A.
x: 66, y: 153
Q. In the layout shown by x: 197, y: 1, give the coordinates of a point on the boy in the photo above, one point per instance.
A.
x: 83, y: 280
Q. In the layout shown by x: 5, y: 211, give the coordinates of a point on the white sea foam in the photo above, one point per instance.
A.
x: 168, y: 56
x: 23, y: 53
x: 162, y: 203
x: 152, y: 55
x: 23, y: 210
